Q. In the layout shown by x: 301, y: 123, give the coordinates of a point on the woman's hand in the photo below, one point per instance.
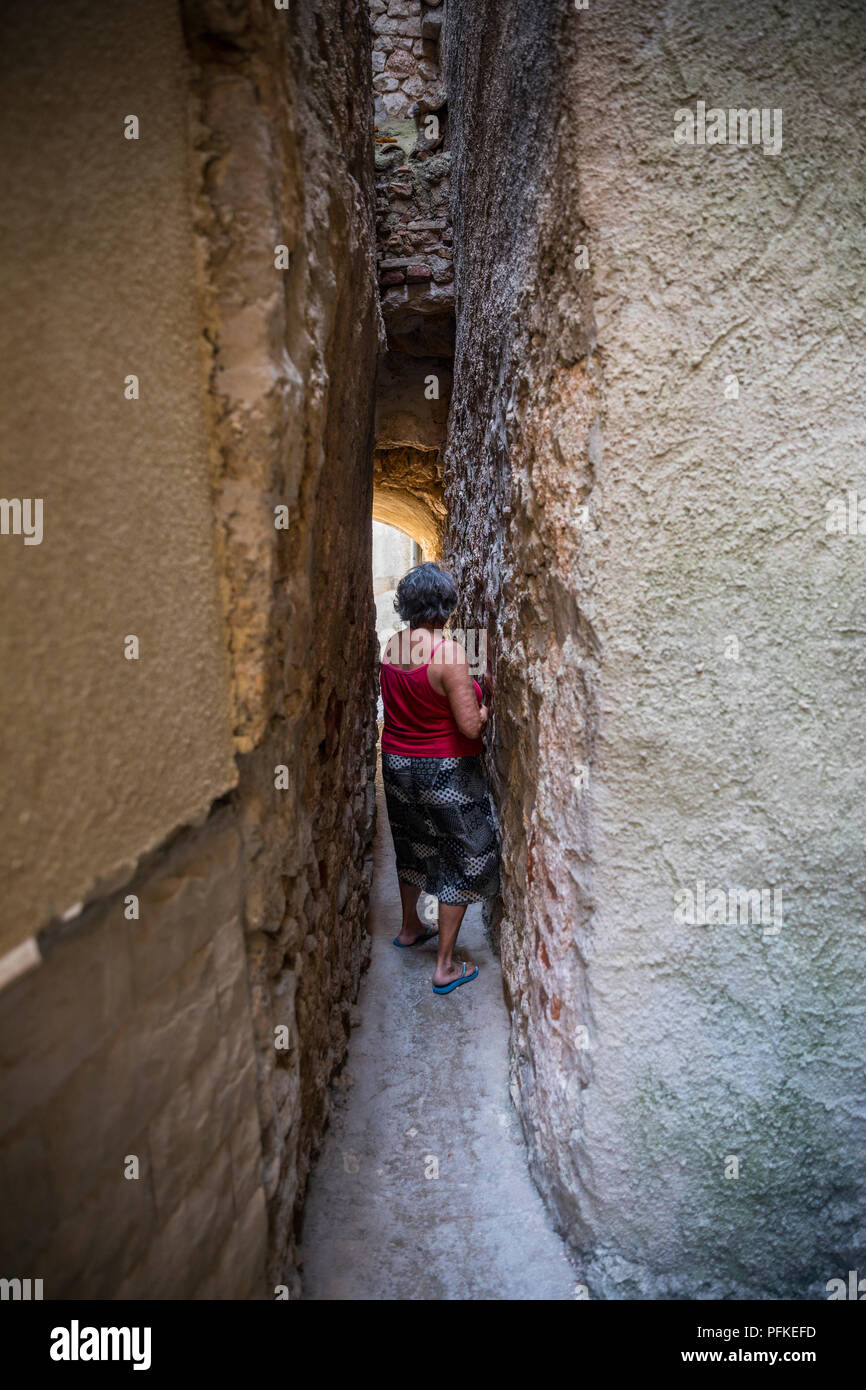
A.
x: 484, y: 715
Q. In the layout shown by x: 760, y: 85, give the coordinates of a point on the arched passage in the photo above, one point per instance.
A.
x: 412, y: 397
x: 407, y: 493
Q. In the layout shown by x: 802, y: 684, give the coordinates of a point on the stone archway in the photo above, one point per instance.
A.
x: 407, y: 493
x: 412, y: 398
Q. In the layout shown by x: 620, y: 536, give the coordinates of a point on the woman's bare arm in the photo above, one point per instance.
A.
x: 450, y: 670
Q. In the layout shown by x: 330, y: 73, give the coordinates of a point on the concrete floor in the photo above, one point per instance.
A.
x: 426, y: 1085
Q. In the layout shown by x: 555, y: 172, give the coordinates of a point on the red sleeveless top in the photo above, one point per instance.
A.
x: 418, y: 720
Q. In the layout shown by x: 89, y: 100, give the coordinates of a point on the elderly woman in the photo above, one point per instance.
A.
x: 438, y: 806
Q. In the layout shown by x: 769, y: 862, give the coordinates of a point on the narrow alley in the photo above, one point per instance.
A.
x: 421, y: 1190
x: 567, y: 297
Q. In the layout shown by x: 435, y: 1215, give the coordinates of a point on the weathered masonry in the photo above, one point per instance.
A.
x: 187, y: 833
x: 415, y: 256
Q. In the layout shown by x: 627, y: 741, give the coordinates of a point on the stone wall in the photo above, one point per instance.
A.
x: 415, y: 265
x: 406, y: 72
x: 416, y: 272
x: 643, y: 445
x: 282, y: 145
x: 224, y: 517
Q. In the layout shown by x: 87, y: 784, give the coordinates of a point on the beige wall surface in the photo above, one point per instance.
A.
x: 130, y: 1143
x: 678, y: 640
x: 101, y: 756
x: 730, y: 747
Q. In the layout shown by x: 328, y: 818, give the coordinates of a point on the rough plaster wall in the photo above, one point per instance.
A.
x: 283, y: 147
x: 706, y: 520
x: 101, y: 757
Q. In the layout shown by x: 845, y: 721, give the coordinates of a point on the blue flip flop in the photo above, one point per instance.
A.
x: 419, y: 940
x: 455, y: 984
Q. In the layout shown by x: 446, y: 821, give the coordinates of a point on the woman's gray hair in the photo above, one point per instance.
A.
x: 426, y: 596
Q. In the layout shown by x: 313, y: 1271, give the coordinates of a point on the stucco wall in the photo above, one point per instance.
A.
x: 102, y: 756
x: 638, y: 749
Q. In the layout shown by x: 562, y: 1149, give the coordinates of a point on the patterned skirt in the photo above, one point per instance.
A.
x: 442, y: 825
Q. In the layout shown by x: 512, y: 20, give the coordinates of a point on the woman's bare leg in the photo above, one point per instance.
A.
x: 412, y: 927
x: 450, y: 917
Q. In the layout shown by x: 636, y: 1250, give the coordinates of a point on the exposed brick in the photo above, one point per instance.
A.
x: 154, y: 1036
x: 230, y: 973
x: 92, y: 1121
